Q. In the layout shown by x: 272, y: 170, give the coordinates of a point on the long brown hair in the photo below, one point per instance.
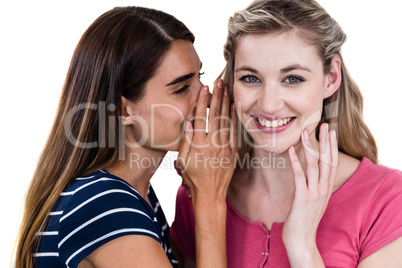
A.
x: 115, y: 57
x: 344, y: 109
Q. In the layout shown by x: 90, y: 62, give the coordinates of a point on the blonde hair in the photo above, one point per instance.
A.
x: 344, y: 109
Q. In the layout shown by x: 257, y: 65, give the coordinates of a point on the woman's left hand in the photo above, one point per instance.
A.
x: 206, y: 160
x: 312, y: 193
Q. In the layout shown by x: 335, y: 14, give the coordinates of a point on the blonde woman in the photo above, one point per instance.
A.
x: 289, y: 80
x: 132, y: 87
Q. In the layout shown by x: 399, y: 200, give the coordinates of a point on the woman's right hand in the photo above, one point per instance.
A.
x: 207, y: 159
x: 312, y: 193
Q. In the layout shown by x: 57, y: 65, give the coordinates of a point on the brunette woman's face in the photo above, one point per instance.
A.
x: 170, y: 98
x: 279, y: 87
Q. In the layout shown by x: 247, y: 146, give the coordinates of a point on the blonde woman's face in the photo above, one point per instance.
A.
x: 279, y: 87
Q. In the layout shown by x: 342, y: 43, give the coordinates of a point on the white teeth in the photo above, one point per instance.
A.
x: 274, y: 123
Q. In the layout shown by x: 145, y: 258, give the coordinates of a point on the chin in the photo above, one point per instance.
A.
x: 275, y: 151
x: 172, y: 146
x: 274, y: 146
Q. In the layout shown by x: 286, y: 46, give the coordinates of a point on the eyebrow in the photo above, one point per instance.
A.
x: 294, y: 67
x: 246, y: 68
x: 283, y: 70
x: 182, y: 78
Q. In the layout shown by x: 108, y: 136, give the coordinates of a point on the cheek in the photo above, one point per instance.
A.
x: 187, y: 104
x: 237, y: 93
x: 242, y: 97
x: 168, y: 115
x: 244, y: 101
x: 308, y: 105
x: 308, y: 99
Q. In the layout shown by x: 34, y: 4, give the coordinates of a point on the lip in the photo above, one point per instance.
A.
x: 271, y: 118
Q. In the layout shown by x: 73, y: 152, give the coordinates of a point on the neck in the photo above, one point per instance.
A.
x: 138, y: 167
x: 273, y: 172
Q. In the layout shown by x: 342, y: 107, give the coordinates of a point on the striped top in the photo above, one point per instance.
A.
x: 94, y: 210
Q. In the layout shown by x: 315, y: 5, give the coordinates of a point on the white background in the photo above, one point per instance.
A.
x: 38, y: 39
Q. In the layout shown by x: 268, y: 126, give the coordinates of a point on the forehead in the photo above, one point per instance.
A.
x: 181, y: 59
x: 276, y: 48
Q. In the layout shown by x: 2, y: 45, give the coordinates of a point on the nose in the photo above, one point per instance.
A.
x: 198, y: 85
x: 195, y: 94
x: 271, y: 100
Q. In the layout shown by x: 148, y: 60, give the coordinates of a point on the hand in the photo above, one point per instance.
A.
x: 207, y: 160
x: 310, y: 199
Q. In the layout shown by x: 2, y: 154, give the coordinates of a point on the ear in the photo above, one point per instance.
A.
x: 334, y: 78
x: 126, y: 111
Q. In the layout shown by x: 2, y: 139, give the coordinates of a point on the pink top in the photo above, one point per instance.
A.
x: 362, y: 216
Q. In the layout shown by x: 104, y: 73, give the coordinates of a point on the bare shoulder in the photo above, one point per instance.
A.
x: 347, y: 166
x: 128, y: 251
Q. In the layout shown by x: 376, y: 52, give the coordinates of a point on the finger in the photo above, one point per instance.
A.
x: 215, y: 107
x: 312, y: 170
x: 200, y: 119
x: 298, y: 174
x: 225, y: 117
x: 209, y: 99
x: 334, y: 158
x: 233, y: 129
x: 185, y: 144
x: 325, y: 157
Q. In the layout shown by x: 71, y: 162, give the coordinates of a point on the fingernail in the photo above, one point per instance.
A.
x: 219, y: 83
x: 205, y: 90
x: 292, y: 150
x: 233, y: 107
x: 326, y: 127
x: 187, y: 126
x: 305, y: 135
x: 333, y: 132
x: 226, y: 91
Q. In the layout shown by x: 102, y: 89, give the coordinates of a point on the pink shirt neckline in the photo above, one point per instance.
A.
x: 279, y: 225
x: 362, y: 216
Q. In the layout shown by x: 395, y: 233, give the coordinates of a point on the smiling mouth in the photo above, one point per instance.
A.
x: 274, y: 123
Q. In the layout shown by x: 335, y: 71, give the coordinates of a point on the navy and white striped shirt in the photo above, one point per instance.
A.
x: 94, y: 210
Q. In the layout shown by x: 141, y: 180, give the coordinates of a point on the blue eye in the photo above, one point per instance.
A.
x: 250, y: 79
x: 293, y: 80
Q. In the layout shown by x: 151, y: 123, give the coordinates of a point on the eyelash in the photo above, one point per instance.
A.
x: 183, y: 89
x: 299, y: 79
x: 246, y: 79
